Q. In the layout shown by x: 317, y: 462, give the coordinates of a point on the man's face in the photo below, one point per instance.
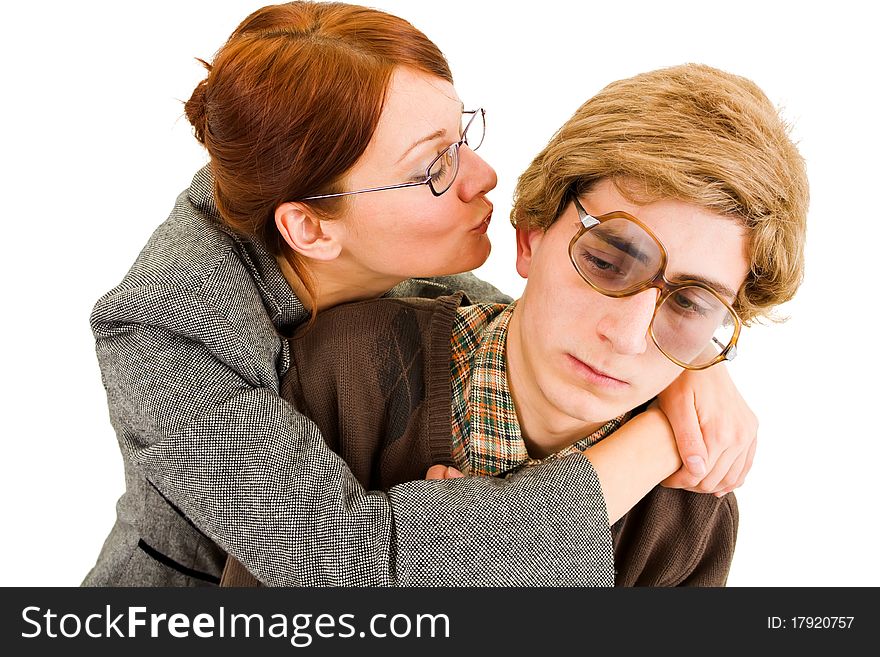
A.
x: 582, y: 357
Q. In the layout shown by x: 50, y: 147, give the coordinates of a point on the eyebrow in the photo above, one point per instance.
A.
x: 631, y: 249
x: 434, y: 135
x: 628, y: 247
x: 718, y: 286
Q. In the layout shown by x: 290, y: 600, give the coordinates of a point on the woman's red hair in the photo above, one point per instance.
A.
x: 291, y: 102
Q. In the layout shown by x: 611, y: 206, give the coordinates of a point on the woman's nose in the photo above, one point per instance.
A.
x: 475, y: 176
x: 626, y: 322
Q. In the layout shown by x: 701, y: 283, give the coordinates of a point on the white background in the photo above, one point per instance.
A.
x: 95, y: 149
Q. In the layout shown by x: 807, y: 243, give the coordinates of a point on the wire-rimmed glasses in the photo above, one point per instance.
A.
x: 441, y: 172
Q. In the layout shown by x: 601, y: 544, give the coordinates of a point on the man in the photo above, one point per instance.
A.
x: 669, y: 210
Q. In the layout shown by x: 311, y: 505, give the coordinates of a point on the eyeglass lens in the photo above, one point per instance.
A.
x: 692, y: 325
x: 442, y: 173
x: 473, y: 128
x: 445, y: 168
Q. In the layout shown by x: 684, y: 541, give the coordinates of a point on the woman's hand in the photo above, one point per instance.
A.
x: 442, y: 472
x: 715, y: 430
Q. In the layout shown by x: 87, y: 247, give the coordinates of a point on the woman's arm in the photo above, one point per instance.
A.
x: 197, y: 409
x: 715, y: 430
x: 634, y: 459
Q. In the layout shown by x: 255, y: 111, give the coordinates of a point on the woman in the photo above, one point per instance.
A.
x: 340, y: 167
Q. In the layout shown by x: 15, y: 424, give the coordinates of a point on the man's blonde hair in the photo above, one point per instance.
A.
x: 695, y: 134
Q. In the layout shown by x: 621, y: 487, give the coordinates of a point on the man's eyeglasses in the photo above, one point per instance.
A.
x: 441, y: 172
x: 618, y: 256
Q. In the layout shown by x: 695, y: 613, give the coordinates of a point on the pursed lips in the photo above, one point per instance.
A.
x: 486, y: 219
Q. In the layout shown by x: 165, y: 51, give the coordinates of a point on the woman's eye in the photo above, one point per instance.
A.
x: 439, y: 170
x: 443, y: 165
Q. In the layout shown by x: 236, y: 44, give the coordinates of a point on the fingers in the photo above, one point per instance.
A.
x: 727, y: 468
x: 724, y: 465
x: 682, y: 415
x: 729, y: 471
x: 711, y: 421
x: 733, y: 479
x: 747, y: 460
x: 442, y: 472
x: 436, y: 472
x: 681, y: 479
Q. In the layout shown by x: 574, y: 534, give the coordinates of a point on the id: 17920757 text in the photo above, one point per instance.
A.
x: 810, y: 622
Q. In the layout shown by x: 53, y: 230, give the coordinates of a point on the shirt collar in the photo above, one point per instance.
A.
x: 485, y: 424
x: 495, y: 442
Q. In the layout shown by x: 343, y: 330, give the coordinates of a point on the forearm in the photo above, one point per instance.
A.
x: 544, y: 526
x: 633, y: 460
x: 292, y: 512
x: 259, y: 480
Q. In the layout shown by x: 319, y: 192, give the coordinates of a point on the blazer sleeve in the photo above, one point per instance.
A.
x: 200, y: 414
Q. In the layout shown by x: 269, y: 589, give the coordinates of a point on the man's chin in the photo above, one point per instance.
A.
x: 591, y: 412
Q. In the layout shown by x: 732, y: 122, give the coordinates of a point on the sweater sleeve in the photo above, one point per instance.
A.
x: 674, y: 537
x: 713, y: 563
x: 201, y: 416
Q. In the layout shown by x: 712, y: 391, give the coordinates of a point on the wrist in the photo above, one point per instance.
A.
x: 656, y: 439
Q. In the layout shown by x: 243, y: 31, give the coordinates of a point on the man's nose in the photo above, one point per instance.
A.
x: 626, y: 322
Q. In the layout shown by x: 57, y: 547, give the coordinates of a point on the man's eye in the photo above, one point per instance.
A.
x: 597, y: 266
x: 688, y: 305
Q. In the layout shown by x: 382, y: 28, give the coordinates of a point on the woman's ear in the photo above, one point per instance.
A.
x: 304, y: 232
x: 527, y: 239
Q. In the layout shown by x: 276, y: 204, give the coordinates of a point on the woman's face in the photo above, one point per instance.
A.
x: 392, y: 235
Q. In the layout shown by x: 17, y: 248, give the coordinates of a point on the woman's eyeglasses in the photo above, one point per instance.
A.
x: 441, y: 172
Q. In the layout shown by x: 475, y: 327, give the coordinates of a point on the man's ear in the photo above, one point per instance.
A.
x: 304, y: 232
x: 527, y: 239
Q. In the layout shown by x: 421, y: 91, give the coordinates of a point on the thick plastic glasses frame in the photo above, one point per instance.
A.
x: 659, y: 281
x: 428, y: 179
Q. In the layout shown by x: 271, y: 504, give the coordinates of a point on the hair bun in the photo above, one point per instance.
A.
x: 197, y: 105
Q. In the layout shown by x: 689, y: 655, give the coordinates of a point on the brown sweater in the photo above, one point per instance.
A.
x: 374, y: 376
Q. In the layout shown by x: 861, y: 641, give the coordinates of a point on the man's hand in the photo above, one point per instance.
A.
x: 442, y: 472
x: 715, y: 430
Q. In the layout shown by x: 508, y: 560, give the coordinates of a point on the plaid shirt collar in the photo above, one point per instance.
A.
x: 486, y: 438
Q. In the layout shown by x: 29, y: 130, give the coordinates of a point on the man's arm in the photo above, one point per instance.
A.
x: 674, y: 537
x: 713, y: 565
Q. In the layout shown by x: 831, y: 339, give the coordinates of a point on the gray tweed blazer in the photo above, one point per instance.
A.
x: 191, y: 345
